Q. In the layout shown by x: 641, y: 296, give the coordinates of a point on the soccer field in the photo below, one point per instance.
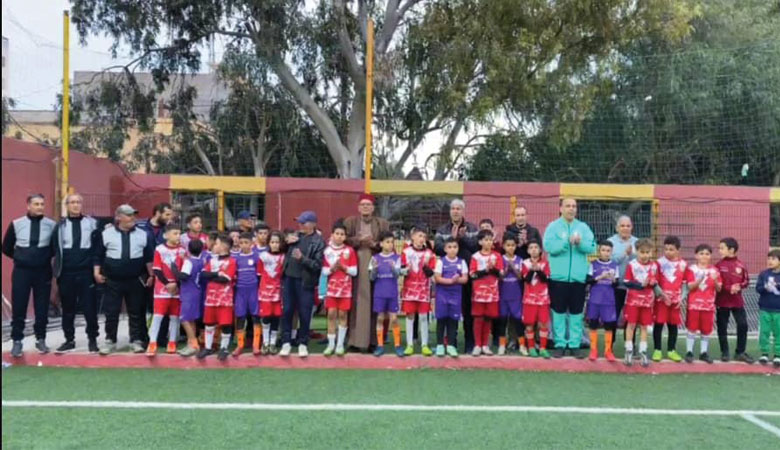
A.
x: 264, y: 408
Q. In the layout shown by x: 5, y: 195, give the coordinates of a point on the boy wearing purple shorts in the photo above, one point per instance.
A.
x: 245, y: 302
x: 450, y: 275
x: 187, y: 270
x: 603, y: 278
x: 384, y: 269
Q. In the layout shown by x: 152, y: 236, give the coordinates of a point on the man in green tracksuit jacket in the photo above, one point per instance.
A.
x: 568, y: 242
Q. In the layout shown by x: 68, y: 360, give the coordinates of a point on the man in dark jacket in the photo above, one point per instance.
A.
x: 466, y: 234
x: 162, y: 214
x: 28, y: 242
x: 302, y: 266
x: 123, y: 261
x: 73, y: 258
x: 522, y: 231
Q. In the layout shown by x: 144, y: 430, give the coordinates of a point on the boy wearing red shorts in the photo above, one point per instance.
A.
x: 640, y: 279
x: 417, y: 265
x: 270, y: 266
x: 166, y: 289
x: 339, y: 265
x: 219, y: 274
x: 704, y: 283
x: 671, y: 274
x: 485, y: 269
x: 536, y: 299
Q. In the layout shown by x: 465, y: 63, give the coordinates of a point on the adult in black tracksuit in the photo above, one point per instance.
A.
x: 73, y: 258
x: 27, y: 241
x: 123, y: 261
x: 466, y: 234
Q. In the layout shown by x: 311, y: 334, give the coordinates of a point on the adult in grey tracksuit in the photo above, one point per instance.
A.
x: 28, y: 242
x: 72, y: 244
x: 123, y: 262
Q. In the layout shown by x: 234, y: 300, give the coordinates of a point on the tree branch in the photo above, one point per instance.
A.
x: 354, y: 68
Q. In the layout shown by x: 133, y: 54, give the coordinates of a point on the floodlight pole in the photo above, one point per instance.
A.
x: 369, y: 99
x: 65, y: 159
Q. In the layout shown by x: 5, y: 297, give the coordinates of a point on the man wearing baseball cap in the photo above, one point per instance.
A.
x: 123, y: 263
x: 302, y: 267
x: 245, y: 224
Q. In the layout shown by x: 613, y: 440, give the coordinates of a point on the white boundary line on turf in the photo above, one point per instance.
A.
x: 382, y: 407
x: 765, y: 425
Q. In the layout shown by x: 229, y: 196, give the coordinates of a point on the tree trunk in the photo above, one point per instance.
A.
x: 356, y: 136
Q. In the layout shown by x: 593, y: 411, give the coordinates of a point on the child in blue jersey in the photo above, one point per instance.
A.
x: 602, y: 278
x: 450, y: 274
x: 510, y: 295
x: 384, y: 269
x: 246, y: 302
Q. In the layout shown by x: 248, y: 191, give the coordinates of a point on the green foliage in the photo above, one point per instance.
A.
x: 690, y: 111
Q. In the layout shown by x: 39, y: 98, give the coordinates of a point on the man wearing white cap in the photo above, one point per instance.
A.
x: 123, y: 262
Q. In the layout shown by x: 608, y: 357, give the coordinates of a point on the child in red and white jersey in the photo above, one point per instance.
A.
x: 166, y: 289
x: 220, y: 275
x: 671, y: 284
x: 270, y: 265
x: 485, y: 269
x: 339, y: 265
x: 417, y: 265
x: 640, y: 279
x: 704, y: 283
x: 536, y: 299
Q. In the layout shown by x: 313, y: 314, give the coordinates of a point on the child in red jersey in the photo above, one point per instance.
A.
x: 704, y: 283
x: 339, y: 265
x: 729, y: 301
x: 536, y: 299
x: 640, y: 279
x: 220, y: 274
x: 670, y: 292
x: 166, y: 289
x: 417, y: 265
x: 485, y: 269
x: 270, y: 267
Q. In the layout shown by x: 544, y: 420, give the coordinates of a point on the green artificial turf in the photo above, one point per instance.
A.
x: 115, y: 428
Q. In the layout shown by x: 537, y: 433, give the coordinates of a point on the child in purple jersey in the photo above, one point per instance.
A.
x: 187, y: 272
x: 245, y: 302
x: 510, y: 295
x: 450, y: 274
x: 602, y: 278
x: 384, y: 269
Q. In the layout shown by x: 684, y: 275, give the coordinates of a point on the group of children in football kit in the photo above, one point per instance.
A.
x: 218, y: 281
x: 214, y: 283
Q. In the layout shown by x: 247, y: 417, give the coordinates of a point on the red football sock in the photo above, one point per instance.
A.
x: 486, y: 326
x: 543, y: 337
x: 478, y: 331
